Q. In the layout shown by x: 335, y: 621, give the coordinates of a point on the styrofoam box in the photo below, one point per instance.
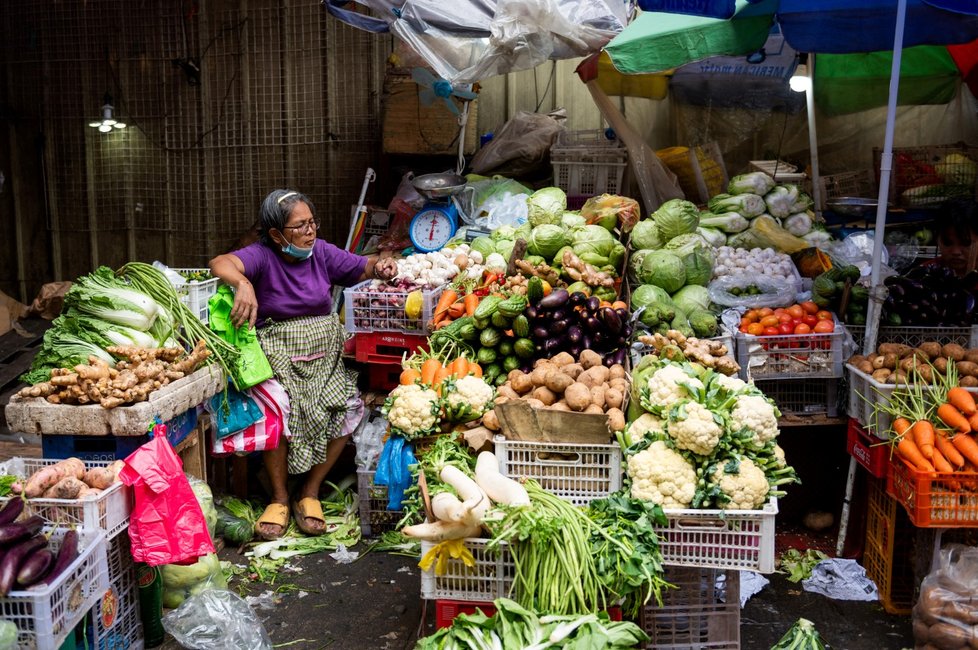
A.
x: 578, y: 473
x: 44, y: 616
x: 107, y: 512
x: 720, y: 539
x: 491, y: 577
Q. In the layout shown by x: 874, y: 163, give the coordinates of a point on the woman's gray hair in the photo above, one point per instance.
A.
x: 275, y: 211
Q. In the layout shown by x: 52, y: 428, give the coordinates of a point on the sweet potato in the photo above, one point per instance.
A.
x: 102, y: 478
x: 66, y: 488
x: 43, y: 479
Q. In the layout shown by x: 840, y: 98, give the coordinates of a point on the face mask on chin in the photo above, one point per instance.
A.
x: 297, y: 252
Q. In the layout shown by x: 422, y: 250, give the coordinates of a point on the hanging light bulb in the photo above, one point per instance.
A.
x: 800, y: 82
x: 108, y: 121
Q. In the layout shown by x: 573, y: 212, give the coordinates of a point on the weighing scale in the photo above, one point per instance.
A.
x: 435, y: 223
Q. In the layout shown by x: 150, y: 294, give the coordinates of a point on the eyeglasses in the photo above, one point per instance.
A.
x: 305, y: 226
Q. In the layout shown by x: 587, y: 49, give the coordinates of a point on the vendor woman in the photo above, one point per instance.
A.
x: 283, y: 285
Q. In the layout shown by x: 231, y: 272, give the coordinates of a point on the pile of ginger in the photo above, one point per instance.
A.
x: 142, y: 371
x: 678, y: 347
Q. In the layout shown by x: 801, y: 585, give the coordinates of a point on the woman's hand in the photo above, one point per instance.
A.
x: 385, y: 269
x: 245, y: 309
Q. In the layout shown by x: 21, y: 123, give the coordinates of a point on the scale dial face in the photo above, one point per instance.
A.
x: 431, y: 229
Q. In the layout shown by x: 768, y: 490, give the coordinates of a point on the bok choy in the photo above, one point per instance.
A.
x: 103, y: 295
x: 62, y: 349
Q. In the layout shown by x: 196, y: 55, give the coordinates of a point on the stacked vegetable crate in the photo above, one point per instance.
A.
x: 702, y: 612
x: 375, y: 518
x: 926, y: 176
x: 195, y: 293
x: 888, y: 554
x: 586, y: 163
x: 114, y: 622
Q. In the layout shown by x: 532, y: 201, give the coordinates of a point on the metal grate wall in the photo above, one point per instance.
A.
x: 224, y: 101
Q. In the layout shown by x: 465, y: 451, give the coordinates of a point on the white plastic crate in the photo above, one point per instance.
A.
x: 865, y: 392
x: 586, y: 163
x: 115, y: 622
x: 107, y: 512
x: 491, y: 577
x: 575, y: 472
x: 375, y: 518
x: 720, y: 539
x: 702, y: 612
x: 914, y: 336
x: 804, y: 396
x: 791, y: 356
x: 195, y: 294
x: 368, y: 311
x: 45, y: 616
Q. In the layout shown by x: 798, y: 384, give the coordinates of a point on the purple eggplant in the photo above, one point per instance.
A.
x: 66, y: 555
x: 552, y: 345
x: 593, y: 324
x: 574, y: 334
x: 593, y: 304
x: 611, y: 320
x: 541, y: 333
x: 559, y: 326
x: 35, y: 567
x: 575, y: 349
x: 586, y: 342
x: 530, y: 312
x: 609, y: 359
x: 16, y: 531
x: 623, y: 314
x: 578, y: 298
x: 620, y: 355
x: 11, y: 510
x: 559, y: 314
x: 557, y: 299
x: 14, y: 559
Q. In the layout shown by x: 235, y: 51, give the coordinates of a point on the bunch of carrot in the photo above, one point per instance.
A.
x: 431, y: 371
x: 461, y: 299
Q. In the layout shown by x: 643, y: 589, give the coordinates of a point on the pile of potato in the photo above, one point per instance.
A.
x: 562, y: 383
x: 897, y: 363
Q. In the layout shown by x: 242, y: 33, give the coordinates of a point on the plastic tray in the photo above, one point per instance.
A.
x: 107, y: 512
x: 703, y: 612
x: 196, y: 294
x: 490, y: 578
x: 888, y: 555
x: 575, y: 472
x: 869, y: 451
x: 801, y: 397
x: 367, y: 311
x: 791, y: 356
x: 934, y: 499
x: 375, y: 518
x: 45, y: 616
x: 720, y: 539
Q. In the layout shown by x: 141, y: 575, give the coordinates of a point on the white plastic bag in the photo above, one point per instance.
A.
x: 775, y: 292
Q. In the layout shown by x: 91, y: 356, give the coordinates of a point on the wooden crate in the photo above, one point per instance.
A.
x: 411, y: 127
x: 192, y: 450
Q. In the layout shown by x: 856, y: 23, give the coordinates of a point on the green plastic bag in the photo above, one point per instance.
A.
x: 252, y: 367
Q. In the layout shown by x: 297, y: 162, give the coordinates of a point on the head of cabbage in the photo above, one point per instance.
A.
x: 692, y: 297
x: 699, y: 266
x: 546, y: 205
x: 663, y: 269
x: 645, y: 234
x: 545, y: 240
x: 683, y: 245
x: 505, y: 248
x: 484, y: 245
x: 676, y: 217
x: 571, y: 220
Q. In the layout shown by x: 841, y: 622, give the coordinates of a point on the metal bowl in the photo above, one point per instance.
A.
x: 852, y: 206
x: 437, y: 186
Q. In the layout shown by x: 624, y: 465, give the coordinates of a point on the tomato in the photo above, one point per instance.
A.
x: 824, y: 327
x: 779, y: 311
x: 809, y: 307
x: 755, y: 329
x: 802, y: 328
x: 824, y: 315
x: 809, y: 319
x: 752, y: 315
x: 785, y: 318
x: 765, y: 311
x: 770, y: 321
x: 796, y: 311
x: 796, y: 321
x: 743, y: 329
x: 744, y: 322
x: 786, y: 328
x: 771, y: 331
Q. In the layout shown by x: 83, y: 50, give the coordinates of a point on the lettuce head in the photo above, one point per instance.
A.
x: 645, y: 234
x: 545, y: 240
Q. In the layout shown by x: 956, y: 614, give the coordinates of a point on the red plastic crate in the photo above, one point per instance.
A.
x: 868, y: 450
x: 383, y: 376
x: 387, y: 347
x: 447, y: 610
x: 934, y: 499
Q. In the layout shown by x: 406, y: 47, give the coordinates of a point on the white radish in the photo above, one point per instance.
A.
x: 445, y: 506
x: 441, y: 531
x: 475, y: 501
x: 500, y: 489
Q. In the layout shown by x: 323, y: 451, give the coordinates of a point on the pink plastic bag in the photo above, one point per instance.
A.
x: 264, y: 434
x: 167, y: 525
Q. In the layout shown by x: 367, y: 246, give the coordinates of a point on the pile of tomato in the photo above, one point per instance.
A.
x: 800, y: 318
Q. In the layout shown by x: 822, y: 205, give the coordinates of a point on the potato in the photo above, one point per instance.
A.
x: 539, y: 374
x: 881, y: 374
x: 534, y: 402
x: 578, y: 396
x: 878, y: 362
x: 968, y: 368
x: 898, y: 349
x: 616, y: 371
x: 557, y: 381
x: 953, y: 351
x: 559, y: 405
x: 865, y: 366
x: 926, y: 373
x: 501, y: 399
x: 971, y: 355
x: 940, y: 364
x: 562, y: 359
x: 521, y: 383
x: 594, y: 409
x: 590, y: 359
x: 921, y: 354
x: 506, y: 390
x: 594, y: 376
x: 613, y: 398
x: 932, y: 348
x: 891, y: 360
x: 968, y: 381
x: 516, y: 372
x: 490, y: 421
x: 947, y: 634
x: 909, y: 364
x: 544, y: 394
x: 616, y: 420
x: 857, y: 359
x: 597, y: 396
x: 573, y: 370
x: 619, y: 384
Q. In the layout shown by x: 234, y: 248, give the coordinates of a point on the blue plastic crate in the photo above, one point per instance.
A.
x: 113, y: 447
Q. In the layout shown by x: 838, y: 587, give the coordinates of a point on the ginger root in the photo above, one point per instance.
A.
x: 542, y: 271
x: 710, y: 353
x: 578, y: 270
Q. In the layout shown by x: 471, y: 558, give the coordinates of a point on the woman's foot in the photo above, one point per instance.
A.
x: 308, y: 514
x: 273, y: 521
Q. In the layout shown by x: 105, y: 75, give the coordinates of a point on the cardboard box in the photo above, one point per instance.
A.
x: 520, y: 421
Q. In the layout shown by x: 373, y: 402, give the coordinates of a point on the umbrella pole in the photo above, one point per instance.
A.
x: 886, y: 165
x: 813, y: 134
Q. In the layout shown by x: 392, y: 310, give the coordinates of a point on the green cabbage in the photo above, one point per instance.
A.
x: 645, y: 234
x: 523, y: 232
x: 484, y: 245
x: 546, y: 205
x: 503, y: 232
x: 635, y: 261
x: 545, y: 240
x: 178, y: 576
x: 571, y: 220
x: 686, y: 244
x: 8, y: 635
x: 591, y: 234
x: 663, y: 269
x: 676, y: 217
x: 746, y: 205
x: 692, y: 297
x: 658, y: 307
x: 753, y: 183
x: 505, y: 248
x: 699, y: 266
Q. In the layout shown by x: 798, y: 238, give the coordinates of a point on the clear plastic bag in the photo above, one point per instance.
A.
x: 181, y: 582
x: 946, y: 614
x: 369, y: 441
x: 217, y: 620
x: 775, y: 292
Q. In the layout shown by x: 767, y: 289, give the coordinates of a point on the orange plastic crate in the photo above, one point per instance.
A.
x: 888, y: 554
x: 934, y: 499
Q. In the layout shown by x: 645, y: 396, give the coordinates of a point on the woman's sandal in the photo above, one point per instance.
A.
x: 308, y: 508
x: 275, y: 514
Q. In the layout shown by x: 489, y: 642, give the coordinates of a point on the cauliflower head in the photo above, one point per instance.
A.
x: 470, y: 398
x: 779, y: 455
x: 412, y: 409
x: 645, y: 426
x: 747, y: 489
x: 693, y: 428
x: 666, y: 386
x: 732, y: 384
x: 662, y: 476
x: 756, y: 414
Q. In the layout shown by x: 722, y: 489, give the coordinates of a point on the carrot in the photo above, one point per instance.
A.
x: 953, y: 418
x: 471, y: 301
x: 901, y: 426
x: 409, y: 376
x: 475, y: 369
x: 923, y: 437
x: 940, y: 463
x: 967, y: 446
x: 948, y: 450
x: 447, y: 299
x: 907, y: 450
x: 442, y: 374
x: 459, y: 367
x: 428, y: 371
x: 457, y: 310
x: 962, y: 400
x: 973, y: 421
